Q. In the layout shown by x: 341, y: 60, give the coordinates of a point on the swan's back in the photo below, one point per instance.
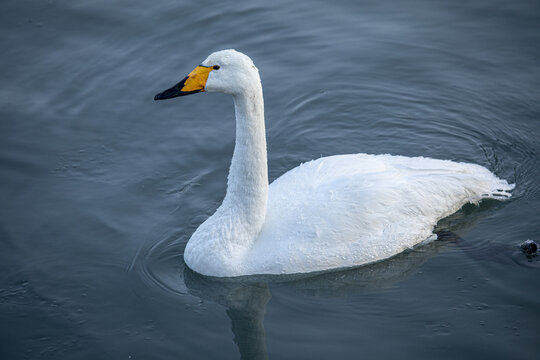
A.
x: 349, y: 210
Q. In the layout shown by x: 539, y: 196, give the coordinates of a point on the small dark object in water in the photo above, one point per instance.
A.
x: 529, y: 247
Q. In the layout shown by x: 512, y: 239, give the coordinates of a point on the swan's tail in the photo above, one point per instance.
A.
x: 500, y: 190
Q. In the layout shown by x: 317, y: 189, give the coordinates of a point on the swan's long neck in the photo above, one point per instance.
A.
x: 221, y: 243
x: 247, y: 187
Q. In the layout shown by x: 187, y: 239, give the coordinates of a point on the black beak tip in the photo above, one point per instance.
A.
x: 167, y: 94
x: 173, y: 92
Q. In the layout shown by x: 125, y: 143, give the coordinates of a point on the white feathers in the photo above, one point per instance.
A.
x: 334, y: 212
x: 350, y: 210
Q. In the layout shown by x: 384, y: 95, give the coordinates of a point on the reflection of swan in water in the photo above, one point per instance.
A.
x: 245, y: 303
x: 245, y: 298
x: 159, y: 265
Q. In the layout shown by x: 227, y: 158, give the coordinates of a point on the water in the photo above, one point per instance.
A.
x: 101, y: 187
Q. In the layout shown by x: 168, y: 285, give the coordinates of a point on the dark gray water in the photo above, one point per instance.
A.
x: 101, y: 187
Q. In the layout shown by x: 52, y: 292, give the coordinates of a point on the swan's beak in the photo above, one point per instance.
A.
x: 193, y: 83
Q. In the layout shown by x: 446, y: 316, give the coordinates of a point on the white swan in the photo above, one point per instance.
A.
x: 333, y: 212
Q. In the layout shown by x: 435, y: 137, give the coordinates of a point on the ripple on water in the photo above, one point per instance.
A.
x: 161, y: 264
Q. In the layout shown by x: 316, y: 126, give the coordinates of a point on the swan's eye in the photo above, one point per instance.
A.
x: 216, y: 67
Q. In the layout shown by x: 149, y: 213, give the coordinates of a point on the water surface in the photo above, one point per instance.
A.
x: 101, y: 187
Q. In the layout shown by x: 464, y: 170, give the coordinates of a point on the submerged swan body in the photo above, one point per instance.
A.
x: 333, y: 212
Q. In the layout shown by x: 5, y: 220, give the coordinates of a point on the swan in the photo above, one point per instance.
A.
x: 334, y: 212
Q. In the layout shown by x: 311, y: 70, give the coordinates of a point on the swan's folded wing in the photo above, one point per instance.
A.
x: 350, y: 210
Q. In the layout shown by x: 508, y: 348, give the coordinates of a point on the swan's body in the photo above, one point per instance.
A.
x: 334, y: 212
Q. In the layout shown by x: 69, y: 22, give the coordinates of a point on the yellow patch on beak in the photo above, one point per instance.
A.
x: 196, y: 80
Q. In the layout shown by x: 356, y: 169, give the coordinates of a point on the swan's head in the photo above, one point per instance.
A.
x: 227, y: 71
